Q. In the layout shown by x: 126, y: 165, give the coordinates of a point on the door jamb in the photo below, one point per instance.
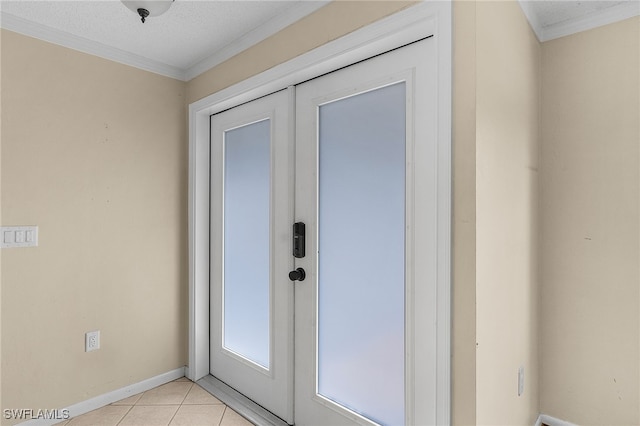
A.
x: 412, y: 24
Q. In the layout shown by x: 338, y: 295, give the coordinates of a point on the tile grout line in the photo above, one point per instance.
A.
x: 223, y: 413
x: 125, y: 414
x: 130, y: 407
x: 174, y: 414
x: 187, y: 394
x: 180, y: 405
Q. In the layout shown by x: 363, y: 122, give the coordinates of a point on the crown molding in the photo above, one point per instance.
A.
x: 607, y: 16
x: 572, y: 26
x: 62, y: 38
x: 255, y: 36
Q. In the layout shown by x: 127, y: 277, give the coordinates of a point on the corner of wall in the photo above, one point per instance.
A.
x: 464, y: 215
x: 507, y: 145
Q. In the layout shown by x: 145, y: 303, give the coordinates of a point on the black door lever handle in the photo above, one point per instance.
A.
x: 297, y: 275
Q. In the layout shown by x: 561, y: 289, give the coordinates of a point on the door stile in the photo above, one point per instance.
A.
x: 291, y: 160
x: 409, y: 251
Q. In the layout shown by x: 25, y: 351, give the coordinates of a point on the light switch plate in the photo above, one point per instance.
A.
x: 18, y: 236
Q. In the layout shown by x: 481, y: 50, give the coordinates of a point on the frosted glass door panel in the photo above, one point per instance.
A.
x: 361, y: 260
x: 246, y: 241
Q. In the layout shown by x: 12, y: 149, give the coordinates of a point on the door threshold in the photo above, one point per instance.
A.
x: 240, y: 403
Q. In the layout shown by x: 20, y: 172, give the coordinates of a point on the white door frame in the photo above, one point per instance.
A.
x: 412, y: 24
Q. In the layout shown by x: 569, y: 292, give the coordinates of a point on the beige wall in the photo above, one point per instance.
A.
x: 507, y: 143
x: 94, y: 153
x: 590, y: 232
x: 62, y: 364
x: 463, y: 287
x: 495, y: 161
x: 103, y: 173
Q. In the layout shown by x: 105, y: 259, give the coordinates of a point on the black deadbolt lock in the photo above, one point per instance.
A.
x: 297, y: 275
x: 298, y: 239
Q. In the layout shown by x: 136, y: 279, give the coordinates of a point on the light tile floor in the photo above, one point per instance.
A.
x: 177, y: 403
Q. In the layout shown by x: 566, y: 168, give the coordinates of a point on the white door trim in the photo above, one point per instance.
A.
x: 417, y: 22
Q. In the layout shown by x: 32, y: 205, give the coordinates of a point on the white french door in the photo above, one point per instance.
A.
x: 362, y: 347
x: 251, y: 308
x: 366, y: 162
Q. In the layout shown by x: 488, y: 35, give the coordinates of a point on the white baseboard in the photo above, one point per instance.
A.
x: 110, y: 397
x: 552, y: 421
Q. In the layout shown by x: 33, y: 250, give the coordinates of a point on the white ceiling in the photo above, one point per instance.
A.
x: 195, y: 35
x: 191, y: 37
x: 551, y: 12
x: 551, y: 19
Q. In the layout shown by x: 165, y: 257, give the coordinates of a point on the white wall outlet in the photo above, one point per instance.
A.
x: 92, y: 341
x: 520, y: 380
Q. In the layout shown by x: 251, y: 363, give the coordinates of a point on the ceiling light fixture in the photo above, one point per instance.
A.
x: 146, y: 8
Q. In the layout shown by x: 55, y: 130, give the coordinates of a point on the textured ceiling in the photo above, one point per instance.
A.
x: 551, y: 19
x: 188, y: 32
x: 550, y: 12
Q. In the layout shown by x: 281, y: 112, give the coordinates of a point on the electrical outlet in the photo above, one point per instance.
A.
x: 520, y: 380
x: 92, y: 341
